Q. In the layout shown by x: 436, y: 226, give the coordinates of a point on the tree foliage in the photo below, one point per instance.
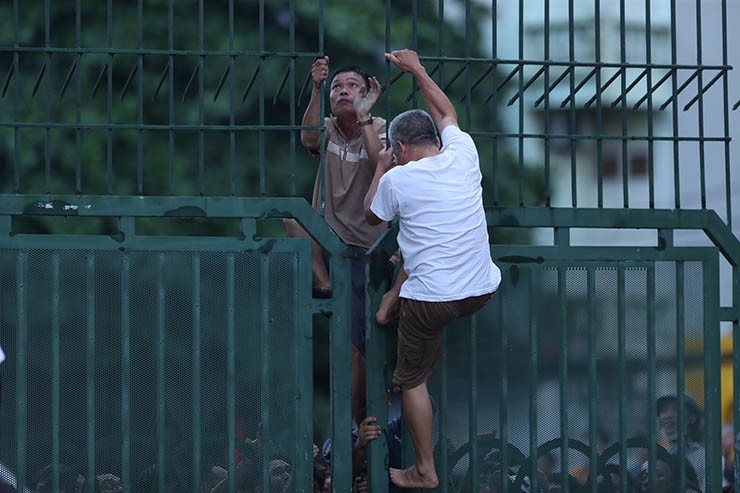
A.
x: 205, y: 98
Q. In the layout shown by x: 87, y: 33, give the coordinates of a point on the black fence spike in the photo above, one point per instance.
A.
x: 552, y: 86
x: 503, y: 83
x: 623, y: 96
x: 604, y: 87
x: 652, y: 90
x: 161, y: 81
x: 99, y: 80
x: 578, y: 87
x: 131, y: 74
x: 11, y: 69
x: 704, y: 89
x: 477, y: 82
x: 70, y: 73
x: 39, y: 77
x: 251, y: 83
x: 679, y: 90
x: 526, y: 86
x: 282, y: 85
x: 221, y: 82
x: 190, y: 82
x: 304, y: 87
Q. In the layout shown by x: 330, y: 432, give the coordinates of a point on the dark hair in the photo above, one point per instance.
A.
x: 413, y: 127
x: 350, y: 68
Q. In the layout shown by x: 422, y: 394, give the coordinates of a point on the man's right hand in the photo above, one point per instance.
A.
x: 405, y: 60
x: 320, y: 71
x: 386, y: 159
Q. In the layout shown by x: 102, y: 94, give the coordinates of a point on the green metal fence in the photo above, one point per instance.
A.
x: 155, y: 316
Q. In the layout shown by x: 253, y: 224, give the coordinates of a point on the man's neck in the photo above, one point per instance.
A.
x: 417, y: 153
x: 347, y: 125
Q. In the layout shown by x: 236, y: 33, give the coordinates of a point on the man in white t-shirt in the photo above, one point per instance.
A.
x: 443, y: 237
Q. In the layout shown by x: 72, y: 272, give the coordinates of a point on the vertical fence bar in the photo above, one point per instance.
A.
x: 78, y: 97
x: 681, y: 366
x: 623, y: 107
x: 21, y: 385
x: 674, y: 112
x: 700, y: 106
x: 649, y: 94
x: 622, y: 371
x: 293, y: 134
x: 712, y: 375
x: 520, y: 106
x: 593, y: 381
x: 473, y: 403
x: 160, y: 377
x: 651, y: 377
x: 572, y: 110
x: 546, y: 102
x: 599, y: 115
x: 322, y: 101
x: 16, y: 95
x: 55, y: 371
x: 266, y: 362
x: 303, y: 368
x: 231, y: 372
x: 261, y: 134
x: 126, y: 372
x: 201, y: 97
x: 494, y: 102
x: 340, y: 375
x: 533, y: 380
x: 726, y: 119
x: 504, y: 396
x: 443, y: 415
x: 90, y: 359
x: 232, y: 103
x: 197, y: 369
x: 47, y: 96
x: 563, y: 373
x: 171, y: 95
x: 109, y: 102
x: 140, y: 98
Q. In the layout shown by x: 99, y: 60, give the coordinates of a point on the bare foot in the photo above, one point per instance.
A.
x: 389, y: 309
x: 412, y: 478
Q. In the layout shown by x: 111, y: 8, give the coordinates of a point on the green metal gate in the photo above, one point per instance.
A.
x: 155, y: 317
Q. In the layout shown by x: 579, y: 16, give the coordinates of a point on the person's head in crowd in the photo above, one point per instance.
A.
x: 44, y: 479
x: 667, y: 476
x: 667, y: 415
x: 281, y: 476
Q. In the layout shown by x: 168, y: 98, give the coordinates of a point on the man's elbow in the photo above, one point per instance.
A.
x: 310, y: 142
x: 371, y: 218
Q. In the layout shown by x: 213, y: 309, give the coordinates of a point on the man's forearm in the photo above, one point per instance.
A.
x: 370, y: 217
x: 311, y: 139
x: 372, y: 143
x: 438, y: 105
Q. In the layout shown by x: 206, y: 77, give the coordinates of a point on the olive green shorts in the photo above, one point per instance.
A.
x: 420, y: 335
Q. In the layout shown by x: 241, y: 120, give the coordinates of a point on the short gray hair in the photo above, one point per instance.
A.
x: 413, y: 127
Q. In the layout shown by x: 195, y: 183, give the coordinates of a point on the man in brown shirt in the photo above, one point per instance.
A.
x: 353, y: 139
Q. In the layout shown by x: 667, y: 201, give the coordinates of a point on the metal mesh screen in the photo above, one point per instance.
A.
x: 572, y: 352
x: 141, y: 364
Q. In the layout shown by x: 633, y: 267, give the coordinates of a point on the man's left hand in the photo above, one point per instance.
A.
x: 367, y: 98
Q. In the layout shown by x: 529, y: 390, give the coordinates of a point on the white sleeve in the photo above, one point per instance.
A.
x: 385, y: 204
